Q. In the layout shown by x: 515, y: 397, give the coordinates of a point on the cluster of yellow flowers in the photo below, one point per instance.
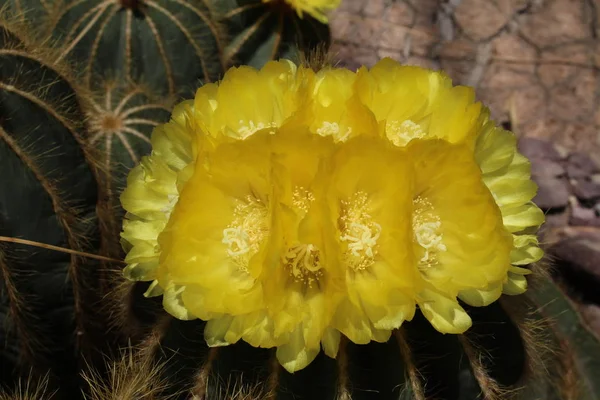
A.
x: 286, y: 207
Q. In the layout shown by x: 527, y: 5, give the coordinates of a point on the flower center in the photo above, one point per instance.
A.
x: 248, y: 128
x: 302, y: 260
x: 333, y: 129
x: 400, y: 133
x: 302, y: 199
x: 303, y: 263
x: 247, y: 230
x: 360, y: 231
x: 426, y: 228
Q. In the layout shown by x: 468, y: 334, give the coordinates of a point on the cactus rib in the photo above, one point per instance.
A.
x: 201, y: 380
x: 411, y: 370
x: 490, y: 389
x: 121, y: 119
x: 138, y: 36
x: 19, y: 314
x: 55, y: 201
x: 65, y: 215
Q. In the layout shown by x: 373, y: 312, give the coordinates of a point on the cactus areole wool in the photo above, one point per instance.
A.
x: 287, y: 207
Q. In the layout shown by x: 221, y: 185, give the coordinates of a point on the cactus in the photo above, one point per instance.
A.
x: 49, y: 194
x: 260, y: 31
x: 121, y: 119
x: 138, y: 36
x: 170, y: 44
x: 29, y: 389
x: 28, y: 9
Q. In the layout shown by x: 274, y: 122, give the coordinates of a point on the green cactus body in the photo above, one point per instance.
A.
x: 49, y: 194
x: 580, y: 365
x: 168, y: 47
x: 260, y: 32
x: 169, y: 44
x: 29, y: 9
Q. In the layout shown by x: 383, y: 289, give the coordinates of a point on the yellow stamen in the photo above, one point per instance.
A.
x: 247, y: 231
x: 248, y: 128
x: 303, y: 263
x: 333, y: 129
x: 426, y: 227
x: 400, y: 133
x: 302, y: 199
x: 360, y: 231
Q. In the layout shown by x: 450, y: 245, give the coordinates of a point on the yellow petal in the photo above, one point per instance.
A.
x: 141, y: 271
x: 520, y: 271
x: 355, y: 325
x: 240, y: 113
x: 396, y: 92
x: 445, y: 314
x: 455, y: 116
x: 518, y: 218
x: 526, y: 250
x: 136, y: 231
x: 481, y: 297
x: 335, y: 109
x: 261, y: 333
x: 495, y: 149
x: 294, y: 355
x: 204, y: 105
x: 331, y: 342
x: 142, y: 252
x: 516, y: 284
x: 174, y: 144
x: 205, y: 301
x: 512, y: 191
x: 154, y: 290
x: 173, y: 303
x: 512, y: 186
x: 216, y: 329
x: 151, y: 190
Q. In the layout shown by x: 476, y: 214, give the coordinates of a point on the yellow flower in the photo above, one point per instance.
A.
x: 287, y: 207
x: 416, y: 103
x: 461, y: 244
x: 369, y: 195
x: 316, y: 8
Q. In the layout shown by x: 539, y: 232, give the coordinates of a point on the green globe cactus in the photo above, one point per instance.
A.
x: 169, y: 44
x: 132, y: 69
x: 27, y: 9
x: 49, y: 194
